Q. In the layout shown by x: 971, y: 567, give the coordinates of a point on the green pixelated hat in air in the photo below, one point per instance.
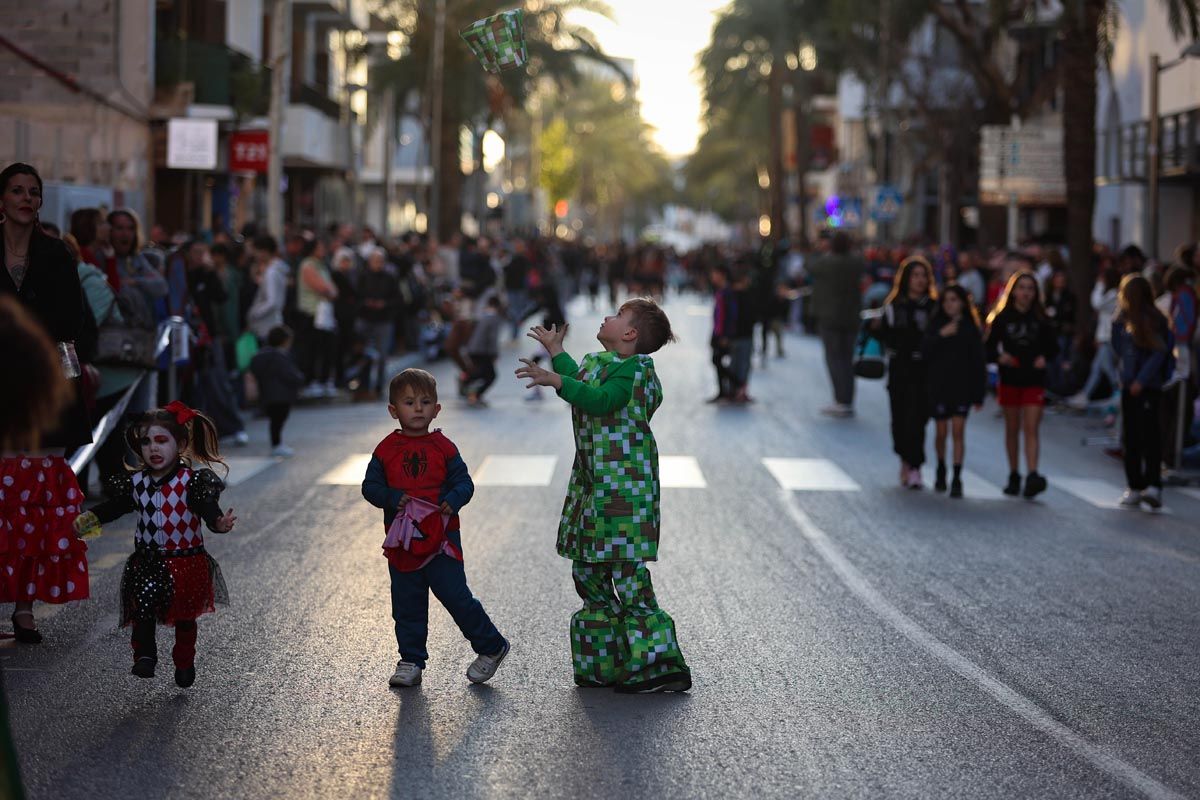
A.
x: 498, y: 41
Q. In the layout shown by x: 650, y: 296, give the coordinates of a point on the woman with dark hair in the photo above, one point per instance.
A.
x: 1021, y: 340
x: 40, y: 557
x: 907, y: 312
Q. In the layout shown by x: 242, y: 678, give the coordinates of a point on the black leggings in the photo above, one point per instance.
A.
x: 910, y: 413
x: 277, y: 413
x: 1141, y: 430
x: 483, y: 373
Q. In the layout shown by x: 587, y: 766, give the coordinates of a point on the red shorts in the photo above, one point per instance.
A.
x: 1014, y: 396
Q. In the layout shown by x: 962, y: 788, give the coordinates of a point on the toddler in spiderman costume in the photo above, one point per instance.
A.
x: 170, y: 578
x: 420, y: 481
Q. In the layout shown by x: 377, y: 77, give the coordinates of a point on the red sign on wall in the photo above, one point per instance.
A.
x: 248, y: 151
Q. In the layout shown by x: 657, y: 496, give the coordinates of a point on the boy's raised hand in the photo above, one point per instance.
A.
x: 550, y: 338
x: 538, y: 376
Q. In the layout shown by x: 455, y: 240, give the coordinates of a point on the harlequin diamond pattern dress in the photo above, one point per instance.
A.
x: 40, y: 556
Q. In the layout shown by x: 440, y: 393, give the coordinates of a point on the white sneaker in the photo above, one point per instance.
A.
x: 241, y: 438
x: 1078, y: 401
x: 329, y: 390
x: 1131, y: 499
x: 406, y: 674
x: 484, y: 667
x: 1152, y: 497
x: 312, y: 391
x: 283, y: 451
x: 838, y: 411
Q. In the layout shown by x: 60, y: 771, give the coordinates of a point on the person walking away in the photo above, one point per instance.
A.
x: 419, y: 475
x: 266, y: 310
x: 724, y: 309
x: 516, y: 284
x: 957, y: 377
x: 836, y: 302
x: 316, y: 336
x: 1142, y: 343
x: 1104, y: 303
x: 907, y: 313
x: 378, y: 298
x: 279, y: 381
x: 1180, y: 307
x: 610, y: 520
x: 1020, y: 339
x: 41, y: 559
x: 1060, y: 308
x: 741, y: 342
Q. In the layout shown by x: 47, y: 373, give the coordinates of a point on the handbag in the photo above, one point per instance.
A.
x: 120, y: 345
x: 869, y: 361
x: 324, y: 319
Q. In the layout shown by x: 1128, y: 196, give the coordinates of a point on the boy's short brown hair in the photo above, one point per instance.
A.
x: 420, y: 381
x: 653, y: 327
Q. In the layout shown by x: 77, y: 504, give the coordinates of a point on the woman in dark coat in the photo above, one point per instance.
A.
x: 40, y: 556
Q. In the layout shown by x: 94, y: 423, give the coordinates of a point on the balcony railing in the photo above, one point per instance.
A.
x: 221, y: 76
x: 1125, y: 151
x: 315, y: 97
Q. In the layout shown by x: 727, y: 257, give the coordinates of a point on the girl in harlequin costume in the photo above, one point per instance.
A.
x: 610, y: 519
x: 170, y: 579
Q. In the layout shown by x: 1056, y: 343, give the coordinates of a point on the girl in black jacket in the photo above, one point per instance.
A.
x: 1021, y: 340
x: 957, y: 377
x: 907, y: 312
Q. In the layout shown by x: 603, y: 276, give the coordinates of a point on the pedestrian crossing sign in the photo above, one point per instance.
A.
x: 888, y: 201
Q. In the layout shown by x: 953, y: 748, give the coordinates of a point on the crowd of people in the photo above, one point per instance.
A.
x: 948, y: 327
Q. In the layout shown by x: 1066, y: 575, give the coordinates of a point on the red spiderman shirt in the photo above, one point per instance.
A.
x: 427, y: 467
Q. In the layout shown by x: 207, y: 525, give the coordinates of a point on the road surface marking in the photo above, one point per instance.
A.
x: 243, y: 468
x: 810, y: 475
x: 680, y: 472
x: 515, y: 471
x: 1192, y: 493
x: 974, y: 487
x: 1030, y: 711
x: 350, y: 472
x: 1098, y: 493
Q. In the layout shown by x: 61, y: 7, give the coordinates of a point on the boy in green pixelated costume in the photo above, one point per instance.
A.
x: 610, y: 519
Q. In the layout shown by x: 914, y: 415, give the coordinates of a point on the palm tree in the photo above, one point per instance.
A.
x: 755, y: 50
x: 471, y: 95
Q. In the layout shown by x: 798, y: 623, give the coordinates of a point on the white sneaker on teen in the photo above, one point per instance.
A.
x: 283, y: 451
x: 1152, y: 497
x: 1130, y: 499
x: 484, y: 667
x: 241, y: 438
x: 406, y: 674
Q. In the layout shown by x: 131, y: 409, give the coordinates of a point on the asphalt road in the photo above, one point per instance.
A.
x: 847, y: 638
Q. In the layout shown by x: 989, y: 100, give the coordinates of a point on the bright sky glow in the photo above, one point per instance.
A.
x: 663, y: 37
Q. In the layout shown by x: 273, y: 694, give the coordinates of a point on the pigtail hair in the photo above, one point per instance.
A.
x: 204, y: 441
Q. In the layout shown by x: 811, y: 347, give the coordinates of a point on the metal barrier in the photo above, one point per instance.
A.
x: 172, y: 333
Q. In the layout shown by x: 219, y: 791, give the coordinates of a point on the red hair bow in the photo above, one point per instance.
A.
x: 183, y: 414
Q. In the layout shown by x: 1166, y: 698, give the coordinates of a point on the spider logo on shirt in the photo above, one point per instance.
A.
x: 414, y: 464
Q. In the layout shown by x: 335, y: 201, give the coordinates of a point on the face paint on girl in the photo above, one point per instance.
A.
x: 160, y: 451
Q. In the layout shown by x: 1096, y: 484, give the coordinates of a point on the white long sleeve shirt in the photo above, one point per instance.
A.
x: 1104, y: 301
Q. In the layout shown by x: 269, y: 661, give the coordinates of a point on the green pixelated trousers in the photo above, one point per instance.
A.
x: 620, y: 636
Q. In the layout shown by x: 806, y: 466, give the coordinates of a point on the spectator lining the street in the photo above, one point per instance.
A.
x: 279, y: 381
x: 419, y: 476
x: 1104, y: 303
x: 170, y: 579
x: 957, y: 374
x: 610, y: 520
x: 901, y: 328
x: 836, y: 303
x: 1142, y: 343
x: 743, y: 316
x: 272, y: 276
x: 316, y: 332
x: 722, y: 334
x: 1020, y: 339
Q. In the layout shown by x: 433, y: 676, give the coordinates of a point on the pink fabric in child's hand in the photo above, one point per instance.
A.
x: 404, y: 528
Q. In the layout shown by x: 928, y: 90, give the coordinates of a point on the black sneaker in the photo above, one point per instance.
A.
x: 956, y: 488
x: 1013, y: 487
x: 1035, y: 484
x: 584, y: 683
x: 939, y: 484
x: 669, y: 682
x: 144, y: 667
x: 185, y: 677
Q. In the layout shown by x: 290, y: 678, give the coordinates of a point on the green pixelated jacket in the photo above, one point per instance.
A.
x: 612, y: 508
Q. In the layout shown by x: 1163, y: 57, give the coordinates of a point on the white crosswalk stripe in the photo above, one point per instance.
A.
x: 1095, y: 492
x: 810, y: 475
x: 348, y: 473
x: 243, y: 468
x: 680, y: 472
x: 511, y: 470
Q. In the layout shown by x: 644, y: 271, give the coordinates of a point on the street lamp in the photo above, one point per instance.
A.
x: 1154, y: 151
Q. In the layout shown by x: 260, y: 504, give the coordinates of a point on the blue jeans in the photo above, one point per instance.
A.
x: 446, y: 578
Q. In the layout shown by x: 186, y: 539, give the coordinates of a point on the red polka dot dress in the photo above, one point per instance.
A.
x: 41, y: 558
